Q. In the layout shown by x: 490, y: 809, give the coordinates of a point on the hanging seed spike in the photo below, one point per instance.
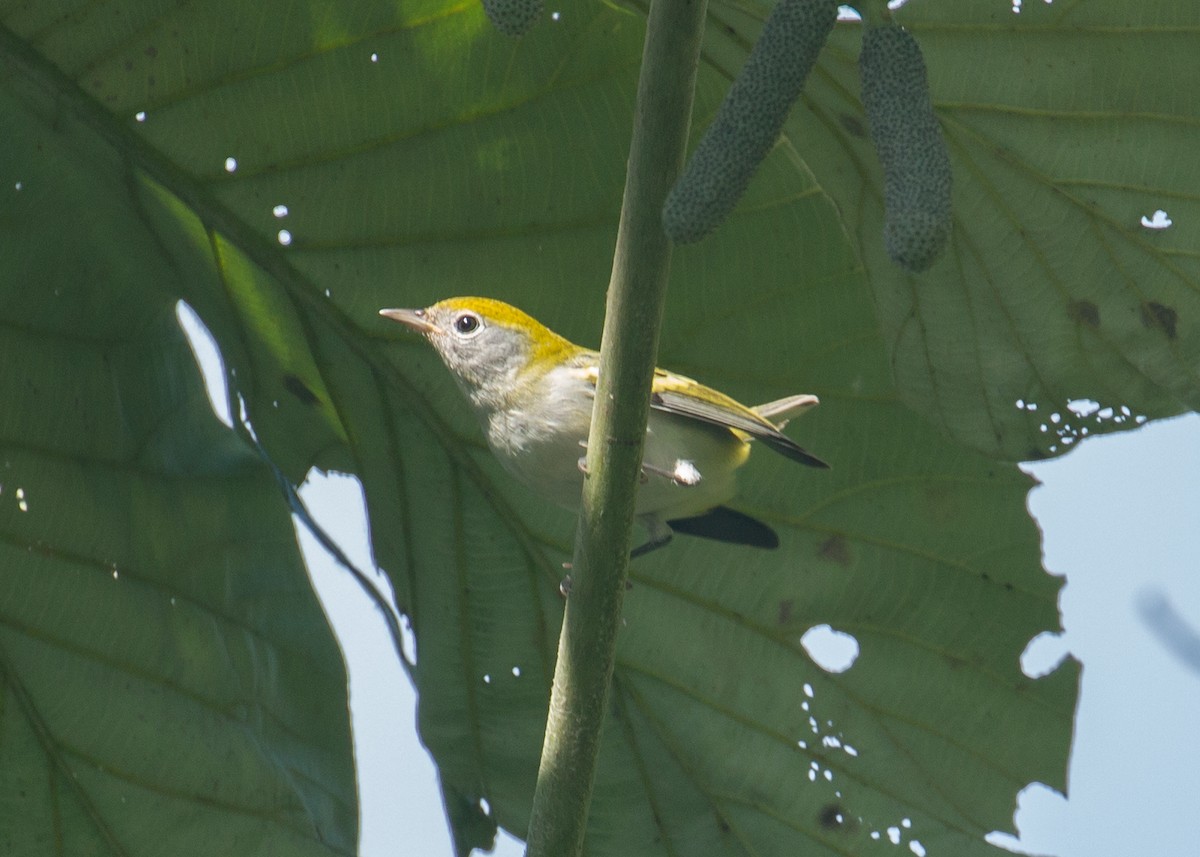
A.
x: 513, y: 17
x: 749, y: 119
x: 917, y: 178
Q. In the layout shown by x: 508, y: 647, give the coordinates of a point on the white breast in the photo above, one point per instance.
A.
x: 689, y: 466
x: 541, y: 444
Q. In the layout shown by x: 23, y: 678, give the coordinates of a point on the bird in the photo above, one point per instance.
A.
x: 533, y: 390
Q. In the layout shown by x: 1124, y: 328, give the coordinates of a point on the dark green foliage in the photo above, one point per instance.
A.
x: 513, y: 17
x: 750, y: 118
x: 916, y: 167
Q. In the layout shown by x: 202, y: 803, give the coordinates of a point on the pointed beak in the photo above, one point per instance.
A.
x: 414, y: 319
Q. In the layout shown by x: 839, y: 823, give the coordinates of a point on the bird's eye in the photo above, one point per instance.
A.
x: 467, y: 323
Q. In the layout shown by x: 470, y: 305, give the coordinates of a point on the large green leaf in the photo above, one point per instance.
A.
x: 167, y: 680
x: 420, y: 154
x: 1067, y: 125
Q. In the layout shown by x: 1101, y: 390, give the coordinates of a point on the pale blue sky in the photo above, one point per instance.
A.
x: 1120, y: 517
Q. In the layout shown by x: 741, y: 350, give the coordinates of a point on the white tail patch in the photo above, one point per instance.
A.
x: 685, y: 473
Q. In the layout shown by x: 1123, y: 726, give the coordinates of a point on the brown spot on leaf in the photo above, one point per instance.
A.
x: 300, y: 390
x: 1161, y: 316
x: 954, y: 661
x: 941, y: 502
x: 833, y: 816
x: 785, y: 610
x: 853, y: 125
x: 151, y: 51
x: 835, y: 549
x: 1086, y: 312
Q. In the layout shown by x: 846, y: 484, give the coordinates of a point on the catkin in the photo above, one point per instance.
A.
x: 513, y: 17
x: 749, y: 119
x: 908, y: 139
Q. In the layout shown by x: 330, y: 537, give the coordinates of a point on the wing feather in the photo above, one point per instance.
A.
x: 718, y: 409
x: 675, y: 394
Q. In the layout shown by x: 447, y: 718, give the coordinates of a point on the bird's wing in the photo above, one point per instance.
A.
x: 684, y: 397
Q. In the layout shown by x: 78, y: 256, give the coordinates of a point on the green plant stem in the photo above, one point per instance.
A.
x: 636, y: 295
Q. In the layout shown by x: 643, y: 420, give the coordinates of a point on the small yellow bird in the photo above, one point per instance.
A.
x: 533, y: 391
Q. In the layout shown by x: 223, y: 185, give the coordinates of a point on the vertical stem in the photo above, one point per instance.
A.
x: 636, y: 294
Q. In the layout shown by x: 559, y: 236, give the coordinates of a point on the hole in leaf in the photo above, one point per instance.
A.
x: 408, y: 640
x: 1158, y: 220
x: 1043, y: 654
x: 208, y: 358
x: 831, y: 650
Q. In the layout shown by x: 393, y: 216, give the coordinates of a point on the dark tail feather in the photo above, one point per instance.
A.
x: 723, y: 524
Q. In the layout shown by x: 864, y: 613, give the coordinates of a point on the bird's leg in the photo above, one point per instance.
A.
x: 660, y: 535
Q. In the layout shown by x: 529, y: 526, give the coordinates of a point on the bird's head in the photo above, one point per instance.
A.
x: 493, y: 349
